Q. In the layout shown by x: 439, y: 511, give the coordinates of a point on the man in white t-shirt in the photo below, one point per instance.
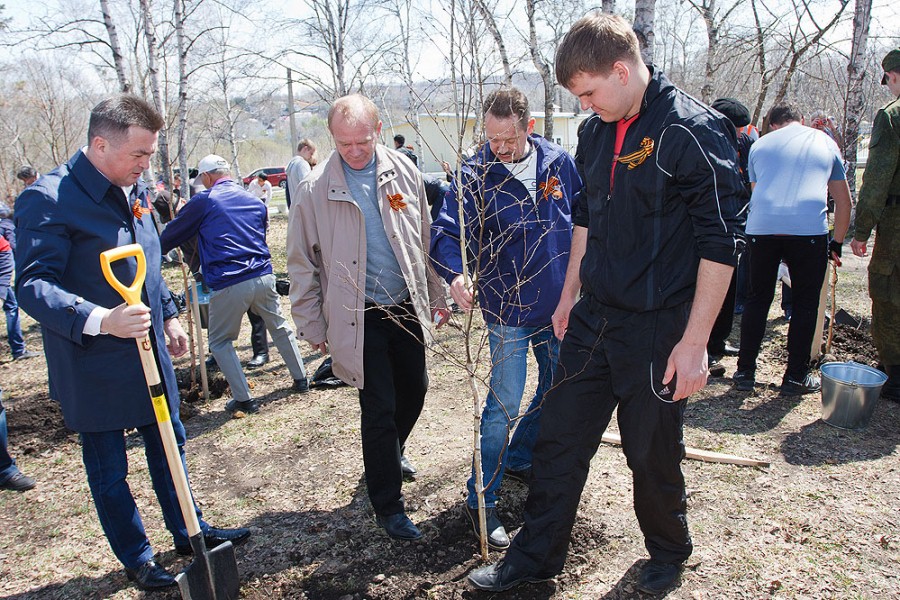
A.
x: 517, y: 198
x: 792, y: 170
x: 261, y: 188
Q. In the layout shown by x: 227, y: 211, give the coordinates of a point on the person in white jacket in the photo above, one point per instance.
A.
x: 261, y: 188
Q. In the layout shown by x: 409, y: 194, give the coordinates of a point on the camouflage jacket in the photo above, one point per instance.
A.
x: 882, y: 175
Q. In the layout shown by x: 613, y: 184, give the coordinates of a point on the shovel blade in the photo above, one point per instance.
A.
x: 219, y: 571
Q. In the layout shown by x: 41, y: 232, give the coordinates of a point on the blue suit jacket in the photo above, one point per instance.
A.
x: 63, y: 222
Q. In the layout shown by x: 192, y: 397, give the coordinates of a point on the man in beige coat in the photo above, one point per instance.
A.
x: 362, y: 289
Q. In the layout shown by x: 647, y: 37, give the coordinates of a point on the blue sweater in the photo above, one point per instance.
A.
x: 231, y: 227
x: 518, y: 246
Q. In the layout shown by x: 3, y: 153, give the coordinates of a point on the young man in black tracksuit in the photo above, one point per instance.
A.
x: 654, y: 245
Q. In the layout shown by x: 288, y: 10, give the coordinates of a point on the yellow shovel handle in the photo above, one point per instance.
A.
x: 131, y: 293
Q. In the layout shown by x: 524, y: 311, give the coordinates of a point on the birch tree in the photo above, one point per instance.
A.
x: 856, y: 75
x: 115, y: 48
x: 644, y: 11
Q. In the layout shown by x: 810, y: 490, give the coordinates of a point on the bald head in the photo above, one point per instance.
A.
x: 355, y: 126
x: 354, y: 109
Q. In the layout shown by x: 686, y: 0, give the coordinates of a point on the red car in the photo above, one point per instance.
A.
x: 276, y: 176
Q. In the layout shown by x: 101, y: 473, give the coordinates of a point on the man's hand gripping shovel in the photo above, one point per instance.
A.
x: 213, y: 574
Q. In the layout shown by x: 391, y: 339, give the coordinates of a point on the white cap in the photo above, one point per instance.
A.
x: 212, y: 163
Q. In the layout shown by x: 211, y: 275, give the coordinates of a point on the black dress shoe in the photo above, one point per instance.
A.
x: 150, y: 576
x: 407, y: 468
x: 497, y: 538
x: 247, y: 406
x: 301, y: 386
x: 398, y: 526
x: 257, y: 361
x: 657, y: 576
x: 715, y: 367
x: 211, y: 364
x: 502, y: 576
x: 216, y: 537
x: 19, y: 482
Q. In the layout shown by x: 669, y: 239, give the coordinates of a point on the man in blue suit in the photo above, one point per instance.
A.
x: 91, y: 204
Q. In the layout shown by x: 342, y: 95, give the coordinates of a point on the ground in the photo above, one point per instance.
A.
x: 820, y: 522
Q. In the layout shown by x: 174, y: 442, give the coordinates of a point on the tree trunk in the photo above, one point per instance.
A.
x: 498, y: 39
x: 644, y: 11
x: 856, y: 74
x: 182, y: 98
x: 118, y: 60
x: 608, y: 6
x: 765, y: 78
x: 158, y: 100
x: 544, y: 69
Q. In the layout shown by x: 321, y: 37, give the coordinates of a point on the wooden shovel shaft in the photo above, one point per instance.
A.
x: 132, y: 295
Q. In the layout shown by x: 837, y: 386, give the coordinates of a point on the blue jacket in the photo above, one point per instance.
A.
x: 231, y: 225
x: 64, y: 221
x: 518, y: 248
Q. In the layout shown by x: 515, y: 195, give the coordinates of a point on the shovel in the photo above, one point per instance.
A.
x: 213, y: 575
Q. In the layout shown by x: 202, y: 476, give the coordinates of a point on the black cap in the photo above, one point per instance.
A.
x: 736, y: 112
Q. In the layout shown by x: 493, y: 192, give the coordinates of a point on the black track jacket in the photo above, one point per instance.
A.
x: 669, y: 207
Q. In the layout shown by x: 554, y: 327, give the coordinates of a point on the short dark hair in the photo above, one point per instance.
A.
x: 593, y: 44
x: 263, y: 176
x: 399, y: 139
x: 508, y: 102
x: 784, y: 113
x: 26, y: 172
x: 112, y: 117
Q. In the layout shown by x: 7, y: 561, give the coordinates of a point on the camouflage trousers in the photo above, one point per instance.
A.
x: 885, y: 293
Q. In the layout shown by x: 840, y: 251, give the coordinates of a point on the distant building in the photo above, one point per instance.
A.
x: 439, y: 135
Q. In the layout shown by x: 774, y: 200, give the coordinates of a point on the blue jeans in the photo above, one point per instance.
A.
x: 509, y: 354
x: 107, y: 468
x: 7, y: 463
x: 13, y: 328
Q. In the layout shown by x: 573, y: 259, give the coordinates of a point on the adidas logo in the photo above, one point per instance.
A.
x: 665, y: 390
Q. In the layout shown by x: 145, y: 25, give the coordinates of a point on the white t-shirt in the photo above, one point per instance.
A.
x: 263, y: 192
x: 525, y: 170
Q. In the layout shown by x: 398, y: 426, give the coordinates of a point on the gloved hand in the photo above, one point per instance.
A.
x: 834, y: 247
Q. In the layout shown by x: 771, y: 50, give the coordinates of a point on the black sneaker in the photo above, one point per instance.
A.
x: 716, y: 368
x: 301, y: 386
x: 744, y: 381
x: 808, y: 384
x: 657, y: 576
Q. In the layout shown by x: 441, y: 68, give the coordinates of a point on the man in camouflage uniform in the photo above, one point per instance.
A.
x: 879, y: 207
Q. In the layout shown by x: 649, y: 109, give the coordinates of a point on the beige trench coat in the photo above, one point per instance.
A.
x: 326, y: 248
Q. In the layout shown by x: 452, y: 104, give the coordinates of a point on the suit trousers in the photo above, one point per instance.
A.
x: 226, y: 309
x: 390, y: 403
x: 106, y: 464
x: 608, y: 358
x: 807, y: 258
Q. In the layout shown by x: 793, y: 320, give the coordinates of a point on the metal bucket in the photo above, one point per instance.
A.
x: 849, y: 393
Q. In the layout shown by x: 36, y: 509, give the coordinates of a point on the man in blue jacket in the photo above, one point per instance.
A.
x: 91, y: 204
x: 230, y: 225
x: 517, y: 202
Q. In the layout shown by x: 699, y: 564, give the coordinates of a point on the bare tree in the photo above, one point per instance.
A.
x: 709, y: 11
x: 488, y: 18
x: 800, y: 42
x: 118, y: 60
x: 155, y: 88
x: 609, y: 6
x: 856, y: 74
x: 644, y: 11
x: 544, y: 69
